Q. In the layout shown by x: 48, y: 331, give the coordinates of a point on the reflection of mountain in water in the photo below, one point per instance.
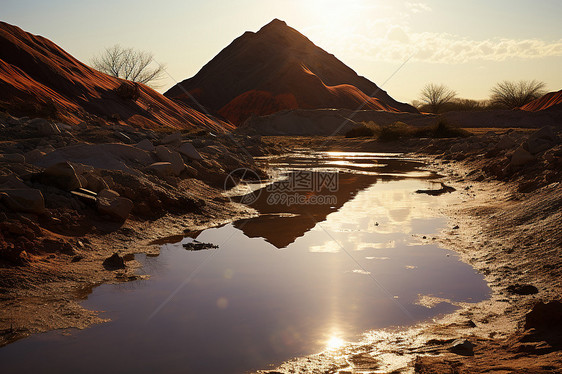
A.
x: 281, y: 224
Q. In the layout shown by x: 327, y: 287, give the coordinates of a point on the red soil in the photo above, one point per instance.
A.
x: 549, y: 100
x: 39, y: 79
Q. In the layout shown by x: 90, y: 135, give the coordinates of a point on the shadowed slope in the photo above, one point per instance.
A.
x: 278, y: 68
x: 38, y: 78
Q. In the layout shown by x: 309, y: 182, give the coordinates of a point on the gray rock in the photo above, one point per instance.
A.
x: 162, y: 169
x: 521, y: 157
x: 506, y: 142
x: 146, y: 145
x: 23, y: 200
x: 34, y: 156
x: 540, y: 141
x: 174, y: 158
x: 124, y: 138
x: 174, y: 138
x: 62, y: 175
x: 44, y: 127
x: 187, y: 149
x: 116, y: 207
x: 14, y: 157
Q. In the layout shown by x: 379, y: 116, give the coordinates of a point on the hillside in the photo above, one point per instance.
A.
x: 550, y: 100
x: 39, y: 79
x: 278, y: 68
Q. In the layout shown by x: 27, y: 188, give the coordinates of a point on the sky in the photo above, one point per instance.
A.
x: 400, y: 45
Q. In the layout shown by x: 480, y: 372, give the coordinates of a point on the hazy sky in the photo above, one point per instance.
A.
x: 467, y: 45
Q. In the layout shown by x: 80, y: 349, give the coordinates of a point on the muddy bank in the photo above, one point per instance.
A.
x: 72, y: 197
x: 506, y: 224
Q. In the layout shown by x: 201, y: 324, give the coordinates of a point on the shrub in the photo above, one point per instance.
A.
x: 395, y: 131
x: 359, y: 132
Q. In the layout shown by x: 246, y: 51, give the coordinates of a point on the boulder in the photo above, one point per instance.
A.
x: 110, y: 156
x: 521, y: 157
x: 23, y: 199
x: 545, y: 316
x: 34, y: 156
x: 44, y: 127
x: 123, y: 137
x: 522, y: 289
x: 174, y: 138
x: 14, y: 157
x: 108, y: 194
x: 462, y: 347
x: 187, y: 149
x: 174, y: 158
x: 506, y: 142
x: 145, y: 145
x: 109, y: 202
x: 114, y: 262
x: 62, y: 175
x: 94, y: 182
x: 161, y: 169
x: 540, y: 141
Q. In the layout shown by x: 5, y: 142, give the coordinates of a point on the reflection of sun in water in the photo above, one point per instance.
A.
x: 335, y: 342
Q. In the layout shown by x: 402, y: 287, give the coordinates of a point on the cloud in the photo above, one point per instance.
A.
x: 398, y: 43
x: 418, y: 7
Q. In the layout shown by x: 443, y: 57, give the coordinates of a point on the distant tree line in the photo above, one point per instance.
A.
x: 438, y: 98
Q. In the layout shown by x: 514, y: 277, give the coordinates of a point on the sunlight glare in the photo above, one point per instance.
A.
x: 335, y: 342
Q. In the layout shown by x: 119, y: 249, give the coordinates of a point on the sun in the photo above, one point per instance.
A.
x: 334, y: 342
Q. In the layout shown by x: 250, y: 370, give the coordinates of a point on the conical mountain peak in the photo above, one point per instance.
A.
x: 279, y: 68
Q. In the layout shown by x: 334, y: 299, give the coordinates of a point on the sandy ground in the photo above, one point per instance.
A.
x: 513, y: 238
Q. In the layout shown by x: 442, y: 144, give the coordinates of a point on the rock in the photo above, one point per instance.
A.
x: 114, y: 262
x: 145, y: 145
x: 14, y: 157
x: 522, y: 289
x: 34, y: 156
x: 174, y: 158
x: 187, y: 149
x: 111, y: 156
x: 11, y: 181
x: 116, y: 207
x: 108, y: 194
x: 64, y: 126
x: 94, y: 182
x: 44, y: 127
x: 540, y: 141
x: 462, y: 347
x: 521, y: 157
x: 174, y: 138
x: 23, y: 200
x: 506, y: 142
x: 162, y: 169
x: 545, y: 316
x: 62, y: 175
x: 124, y: 138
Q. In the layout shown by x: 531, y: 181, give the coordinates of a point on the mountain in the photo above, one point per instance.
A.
x: 278, y: 68
x: 552, y: 100
x: 39, y: 79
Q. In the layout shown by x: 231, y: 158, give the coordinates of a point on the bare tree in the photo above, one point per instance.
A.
x: 436, y: 95
x: 130, y: 64
x: 515, y: 94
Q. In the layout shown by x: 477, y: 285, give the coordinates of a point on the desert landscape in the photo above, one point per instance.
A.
x: 274, y: 213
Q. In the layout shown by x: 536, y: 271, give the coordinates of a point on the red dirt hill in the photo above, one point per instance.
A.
x: 39, y: 79
x: 550, y: 100
x: 278, y: 68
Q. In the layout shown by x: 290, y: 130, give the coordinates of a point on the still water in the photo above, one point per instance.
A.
x: 303, y: 277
